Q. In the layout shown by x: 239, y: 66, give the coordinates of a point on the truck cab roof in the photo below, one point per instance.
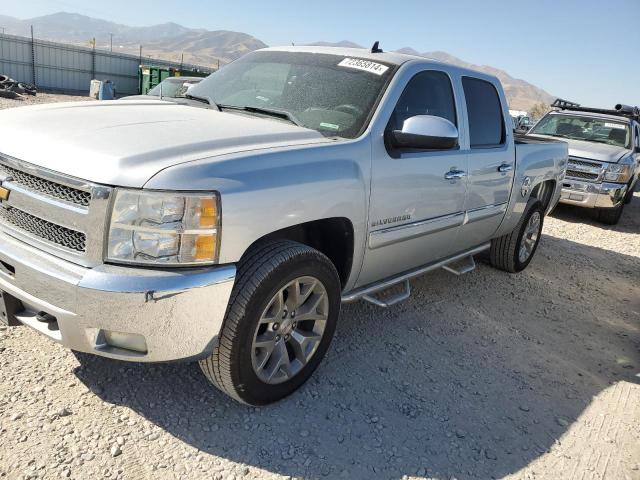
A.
x: 393, y: 58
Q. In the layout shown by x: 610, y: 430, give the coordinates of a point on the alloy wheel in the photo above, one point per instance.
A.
x: 290, y: 330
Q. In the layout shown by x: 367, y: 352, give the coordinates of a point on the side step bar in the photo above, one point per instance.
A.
x: 367, y: 293
x: 465, y: 265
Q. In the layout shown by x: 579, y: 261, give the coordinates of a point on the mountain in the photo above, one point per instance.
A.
x: 168, y: 40
x: 175, y: 42
x: 343, y: 44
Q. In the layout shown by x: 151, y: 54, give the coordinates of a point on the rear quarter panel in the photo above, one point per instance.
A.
x: 536, y: 161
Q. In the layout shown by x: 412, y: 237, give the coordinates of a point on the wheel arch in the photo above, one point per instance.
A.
x: 544, y: 191
x: 333, y: 237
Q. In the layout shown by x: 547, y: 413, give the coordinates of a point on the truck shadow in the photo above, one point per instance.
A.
x: 474, y: 377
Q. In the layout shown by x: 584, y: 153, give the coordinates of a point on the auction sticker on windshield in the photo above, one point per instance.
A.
x: 365, y: 65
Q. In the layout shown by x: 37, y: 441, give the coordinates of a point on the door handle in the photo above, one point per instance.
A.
x: 505, y: 167
x: 455, y: 174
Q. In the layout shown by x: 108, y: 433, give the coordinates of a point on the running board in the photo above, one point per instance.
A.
x: 400, y: 297
x: 465, y: 265
x: 367, y: 293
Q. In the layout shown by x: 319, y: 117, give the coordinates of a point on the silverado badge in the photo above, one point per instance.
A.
x: 387, y: 221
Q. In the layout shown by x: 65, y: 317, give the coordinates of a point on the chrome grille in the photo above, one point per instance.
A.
x: 583, y: 175
x: 61, y: 236
x: 47, y: 187
x: 584, y: 163
x: 584, y: 170
x: 54, y: 212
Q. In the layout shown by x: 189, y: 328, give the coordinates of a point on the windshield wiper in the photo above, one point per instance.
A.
x: 283, y: 114
x: 559, y: 135
x: 206, y: 100
x: 606, y: 142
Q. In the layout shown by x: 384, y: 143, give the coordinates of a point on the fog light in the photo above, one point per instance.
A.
x: 126, y: 341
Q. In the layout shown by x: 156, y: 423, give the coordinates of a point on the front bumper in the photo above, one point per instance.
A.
x: 174, y: 314
x: 592, y: 195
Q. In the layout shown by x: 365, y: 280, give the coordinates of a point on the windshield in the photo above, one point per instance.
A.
x: 328, y: 93
x: 589, y: 129
x: 171, y: 88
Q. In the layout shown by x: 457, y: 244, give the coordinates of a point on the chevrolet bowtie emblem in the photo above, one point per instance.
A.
x: 4, y: 193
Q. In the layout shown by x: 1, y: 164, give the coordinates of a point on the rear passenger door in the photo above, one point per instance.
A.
x: 415, y: 212
x: 491, y: 161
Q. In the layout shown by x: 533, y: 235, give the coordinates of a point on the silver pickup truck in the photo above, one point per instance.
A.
x: 229, y: 228
x: 604, y: 155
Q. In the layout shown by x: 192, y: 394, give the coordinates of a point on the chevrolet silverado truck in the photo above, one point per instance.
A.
x: 604, y: 155
x: 230, y: 228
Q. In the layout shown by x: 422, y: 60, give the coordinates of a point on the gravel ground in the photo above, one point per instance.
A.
x: 41, y: 98
x: 488, y: 375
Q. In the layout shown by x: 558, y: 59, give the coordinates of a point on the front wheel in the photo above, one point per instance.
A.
x: 514, y: 251
x: 281, y: 318
x: 610, y: 216
x: 629, y: 196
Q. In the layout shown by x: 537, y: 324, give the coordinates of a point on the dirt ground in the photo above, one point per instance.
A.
x: 41, y: 98
x: 488, y: 375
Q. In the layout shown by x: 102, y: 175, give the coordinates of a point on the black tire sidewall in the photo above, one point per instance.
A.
x: 248, y: 385
x: 518, y: 265
x: 611, y: 216
x: 629, y: 195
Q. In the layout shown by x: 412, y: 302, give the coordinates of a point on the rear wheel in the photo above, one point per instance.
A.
x: 514, y: 251
x: 281, y: 318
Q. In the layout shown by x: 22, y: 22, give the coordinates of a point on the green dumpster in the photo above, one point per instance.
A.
x: 150, y: 75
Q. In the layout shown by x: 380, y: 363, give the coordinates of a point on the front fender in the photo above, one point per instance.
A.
x: 266, y: 191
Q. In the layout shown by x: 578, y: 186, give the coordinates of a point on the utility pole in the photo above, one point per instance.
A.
x: 33, y: 58
x: 93, y: 58
x: 111, y: 42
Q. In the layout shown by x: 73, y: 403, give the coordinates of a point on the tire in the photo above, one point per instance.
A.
x: 28, y: 88
x: 629, y: 196
x: 504, y: 253
x: 610, y: 216
x: 8, y: 94
x: 262, y: 273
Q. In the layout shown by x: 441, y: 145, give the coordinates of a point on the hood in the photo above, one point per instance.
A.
x: 127, y: 142
x: 596, y: 151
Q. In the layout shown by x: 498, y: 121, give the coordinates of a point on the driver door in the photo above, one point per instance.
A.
x: 415, y: 212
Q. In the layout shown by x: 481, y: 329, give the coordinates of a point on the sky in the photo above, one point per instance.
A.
x: 586, y: 51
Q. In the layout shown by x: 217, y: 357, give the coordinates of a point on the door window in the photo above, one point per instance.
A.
x: 427, y: 93
x: 486, y: 123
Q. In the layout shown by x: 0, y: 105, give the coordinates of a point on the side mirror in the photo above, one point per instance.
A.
x: 425, y: 132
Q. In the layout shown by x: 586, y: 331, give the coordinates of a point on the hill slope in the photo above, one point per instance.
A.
x: 175, y: 42
x: 168, y: 40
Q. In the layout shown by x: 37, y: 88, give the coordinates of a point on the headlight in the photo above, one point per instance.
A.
x: 167, y: 228
x: 618, y: 173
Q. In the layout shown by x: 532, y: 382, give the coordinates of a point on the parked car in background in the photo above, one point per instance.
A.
x: 523, y: 124
x: 604, y: 155
x: 230, y: 228
x: 169, y: 88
